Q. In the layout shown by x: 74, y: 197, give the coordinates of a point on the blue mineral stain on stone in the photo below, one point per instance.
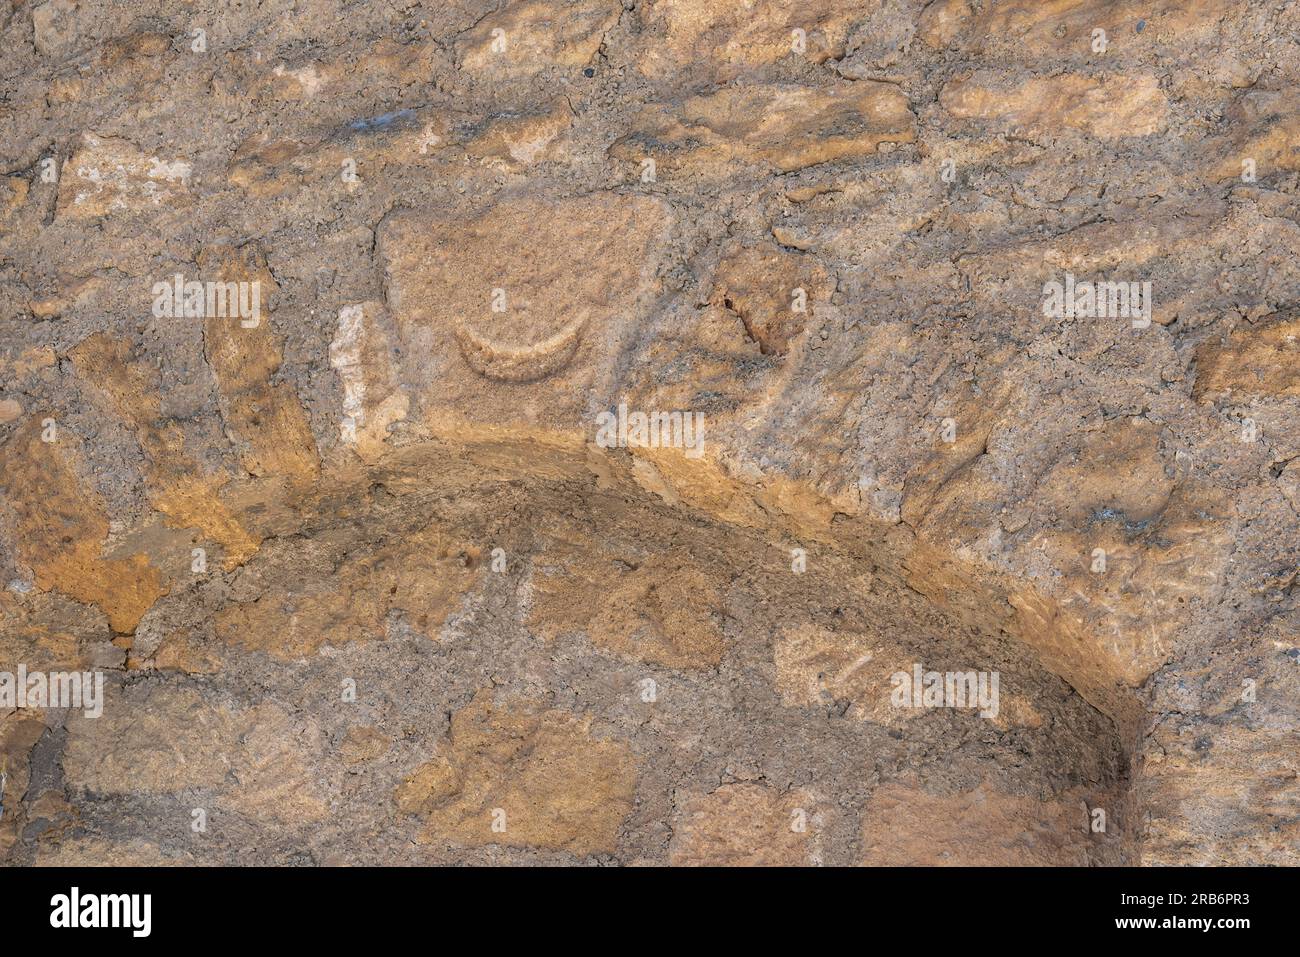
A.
x: 1112, y: 514
x: 381, y: 121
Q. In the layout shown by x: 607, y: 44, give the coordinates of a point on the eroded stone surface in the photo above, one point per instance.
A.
x: 108, y: 175
x: 360, y: 575
x: 417, y: 579
x: 652, y: 611
x: 738, y: 37
x: 526, y: 36
x: 747, y: 825
x: 484, y: 300
x: 907, y: 827
x: 61, y: 527
x: 523, y: 776
x: 263, y: 415
x: 173, y: 742
x: 1107, y: 108
x: 787, y: 127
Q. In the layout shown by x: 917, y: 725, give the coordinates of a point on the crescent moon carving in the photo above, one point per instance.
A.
x: 509, y: 363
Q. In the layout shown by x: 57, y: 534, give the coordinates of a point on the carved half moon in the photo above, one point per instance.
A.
x: 515, y: 363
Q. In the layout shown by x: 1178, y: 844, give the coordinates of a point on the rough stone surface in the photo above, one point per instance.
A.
x: 369, y: 582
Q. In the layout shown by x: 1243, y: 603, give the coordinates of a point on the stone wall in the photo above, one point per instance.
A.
x: 314, y: 318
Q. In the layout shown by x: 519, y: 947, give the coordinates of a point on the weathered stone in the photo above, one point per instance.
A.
x: 1265, y: 127
x: 747, y: 825
x: 106, y: 176
x: 740, y: 37
x: 1255, y: 360
x: 1108, y: 108
x: 818, y: 667
x: 1067, y: 27
x: 363, y: 744
x: 375, y: 542
x: 488, y: 316
x: 526, y: 36
x: 648, y: 611
x: 177, y: 489
x: 54, y: 24
x: 909, y: 827
x: 788, y: 127
x: 362, y: 355
x: 61, y: 527
x: 772, y: 291
x: 419, y: 578
x: 262, y: 415
x: 252, y: 760
x: 523, y: 140
x: 521, y: 777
